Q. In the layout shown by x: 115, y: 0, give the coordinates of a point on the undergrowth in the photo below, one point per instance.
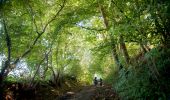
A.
x: 146, y: 79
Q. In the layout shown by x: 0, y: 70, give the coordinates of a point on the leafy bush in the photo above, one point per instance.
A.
x: 149, y: 79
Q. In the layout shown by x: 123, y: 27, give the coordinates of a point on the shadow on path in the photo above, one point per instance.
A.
x: 91, y: 93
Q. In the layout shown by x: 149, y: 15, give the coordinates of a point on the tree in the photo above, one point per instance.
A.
x: 6, y: 68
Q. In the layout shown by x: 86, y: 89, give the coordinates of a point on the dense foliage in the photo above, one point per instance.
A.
x: 125, y: 42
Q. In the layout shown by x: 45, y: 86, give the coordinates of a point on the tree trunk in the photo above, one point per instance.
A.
x: 113, y: 45
x: 38, y: 67
x: 36, y: 72
x: 45, y: 70
x: 124, y: 49
x: 53, y: 72
x: 114, y: 53
x: 5, y: 69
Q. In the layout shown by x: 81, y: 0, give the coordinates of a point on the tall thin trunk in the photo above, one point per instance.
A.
x: 113, y: 45
x: 36, y: 72
x: 45, y: 70
x: 38, y: 66
x: 114, y: 53
x: 124, y: 49
x: 5, y: 68
x: 52, y: 69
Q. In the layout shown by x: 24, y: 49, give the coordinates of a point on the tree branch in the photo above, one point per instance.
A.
x: 33, y: 17
x: 40, y: 34
x: 119, y: 9
x: 54, y: 17
x: 93, y: 29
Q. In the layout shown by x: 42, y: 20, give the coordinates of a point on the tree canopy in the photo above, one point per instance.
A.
x: 113, y: 39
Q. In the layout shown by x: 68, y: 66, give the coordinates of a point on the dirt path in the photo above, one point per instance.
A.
x: 91, y: 93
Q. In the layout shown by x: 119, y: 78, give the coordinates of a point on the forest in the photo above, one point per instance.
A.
x: 84, y: 50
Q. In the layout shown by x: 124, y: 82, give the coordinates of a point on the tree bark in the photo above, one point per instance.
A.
x: 124, y: 49
x: 114, y: 53
x: 36, y: 72
x: 5, y: 68
x: 45, y: 70
x: 113, y: 45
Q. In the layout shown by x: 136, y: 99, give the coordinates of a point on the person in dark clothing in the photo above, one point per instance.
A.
x: 95, y: 81
x: 101, y: 82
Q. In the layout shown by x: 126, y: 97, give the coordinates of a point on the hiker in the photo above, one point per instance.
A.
x: 95, y: 81
x: 101, y: 82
